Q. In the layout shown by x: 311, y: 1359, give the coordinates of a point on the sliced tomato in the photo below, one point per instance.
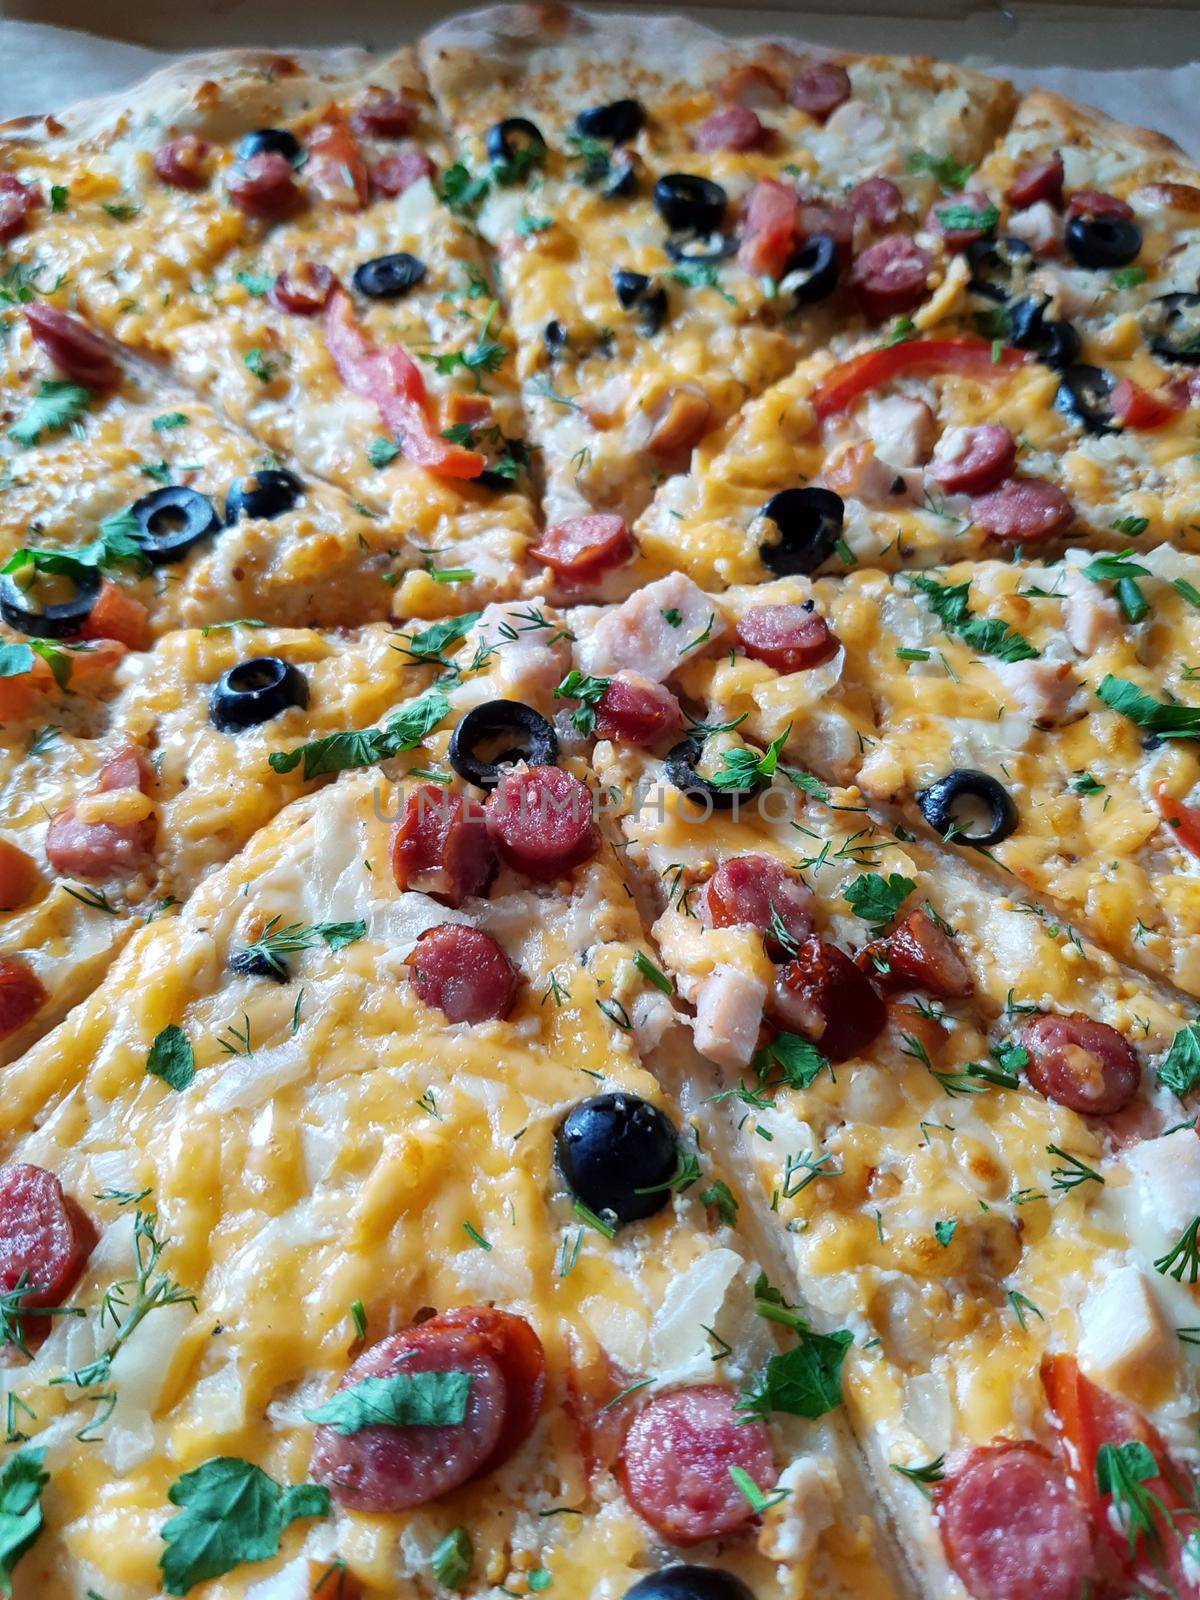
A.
x: 1133, y: 407
x: 392, y: 380
x: 335, y: 166
x: 1090, y: 1418
x: 1183, y: 820
x: 971, y: 358
x: 118, y: 615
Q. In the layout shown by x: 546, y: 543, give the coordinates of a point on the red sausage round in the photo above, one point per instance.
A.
x: 77, y: 352
x: 956, y: 236
x: 582, y: 549
x: 264, y: 186
x: 392, y: 1468
x: 822, y: 995
x: 21, y: 994
x: 183, y: 162
x: 394, y: 174
x: 1012, y: 1529
x: 517, y: 1351
x: 541, y: 820
x: 917, y: 951
x: 973, y: 460
x: 17, y: 200
x: 1023, y: 511
x: 790, y: 638
x: 380, y: 115
x: 733, y: 127
x: 1043, y: 181
x: 877, y: 201
x: 759, y: 892
x: 45, y: 1240
x: 676, y: 1463
x: 635, y: 710
x: 303, y: 289
x: 463, y: 972
x: 889, y: 276
x: 441, y: 845
x: 819, y: 89
x: 1095, y: 203
x: 1084, y: 1065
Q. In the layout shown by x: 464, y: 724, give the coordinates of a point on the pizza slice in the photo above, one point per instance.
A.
x: 121, y: 789
x: 322, y: 298
x: 388, y: 1264
x: 667, y: 251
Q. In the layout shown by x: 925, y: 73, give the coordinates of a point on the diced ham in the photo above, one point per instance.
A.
x: 653, y: 632
x: 335, y: 168
x: 1039, y: 226
x: 750, y: 85
x: 770, y: 234
x: 855, y: 472
x: 1091, y: 614
x: 1042, y: 689
x: 529, y: 653
x: 100, y: 849
x: 1123, y: 1333
x: 901, y: 429
x: 729, y: 1013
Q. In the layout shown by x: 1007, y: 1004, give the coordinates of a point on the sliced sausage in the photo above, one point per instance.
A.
x: 17, y: 200
x: 769, y: 234
x: 1076, y: 1062
x: 45, y: 1240
x: 635, y: 710
x: 837, y: 222
x: 973, y: 460
x: 790, y: 638
x: 953, y: 234
x: 733, y: 127
x: 1023, y: 511
x: 396, y: 173
x: 750, y: 84
x: 117, y: 615
x: 77, y: 352
x: 393, y: 1468
x: 1011, y: 1527
x: 19, y: 877
x: 441, y: 845
x: 380, y: 115
x: 335, y: 168
x: 822, y: 995
x: 541, y: 821
x: 917, y: 951
x: 877, y: 201
x: 264, y: 186
x: 1042, y: 181
x: 517, y: 1351
x: 677, y: 421
x: 819, y: 88
x: 582, y: 549
x: 1095, y: 203
x: 21, y: 994
x: 81, y: 849
x: 183, y: 162
x: 889, y: 277
x: 759, y: 892
x: 303, y: 289
x: 464, y: 973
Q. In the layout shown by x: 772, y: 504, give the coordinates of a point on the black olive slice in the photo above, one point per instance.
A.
x: 496, y: 735
x: 813, y: 271
x: 681, y: 762
x: 171, y: 520
x: 255, y: 691
x: 1103, y: 241
x: 617, y: 122
x: 702, y: 248
x: 622, y: 179
x: 690, y: 204
x: 689, y: 1583
x: 1083, y: 395
x: 505, y: 140
x: 49, y: 604
x: 388, y: 277
x: 618, y: 1153
x: 939, y: 802
x: 555, y: 338
x: 995, y: 263
x: 266, y: 494
x: 809, y: 523
x: 635, y: 291
x: 1172, y: 327
x: 269, y: 141
x: 1053, y: 342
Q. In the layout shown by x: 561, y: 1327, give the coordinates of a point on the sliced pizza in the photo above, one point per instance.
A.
x: 665, y: 250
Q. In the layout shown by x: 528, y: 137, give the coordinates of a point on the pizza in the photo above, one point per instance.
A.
x: 599, y: 829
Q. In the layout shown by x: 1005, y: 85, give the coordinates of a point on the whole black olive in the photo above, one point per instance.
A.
x: 171, y: 520
x: 1084, y: 395
x: 701, y: 248
x: 497, y: 734
x: 255, y: 691
x: 618, y: 1153
x: 1053, y: 342
x: 1172, y: 327
x: 506, y: 140
x: 388, y: 277
x: 995, y: 264
x: 939, y: 802
x: 689, y: 1583
x: 681, y: 762
x: 269, y: 141
x: 810, y: 523
x: 68, y: 592
x: 266, y: 494
x: 637, y: 292
x: 812, y: 273
x: 617, y: 122
x: 1103, y: 241
x: 691, y: 204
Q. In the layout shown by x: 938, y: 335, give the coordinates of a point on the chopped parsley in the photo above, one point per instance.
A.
x: 381, y: 452
x: 452, y: 1559
x: 171, y: 1058
x: 21, y: 1483
x: 989, y: 636
x: 260, y: 365
x: 1165, y: 718
x: 230, y: 1512
x: 1179, y: 1069
x: 805, y: 1381
x: 404, y: 1400
x: 877, y: 899
x: 363, y: 747
x: 57, y: 405
x: 588, y: 691
x: 951, y: 175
